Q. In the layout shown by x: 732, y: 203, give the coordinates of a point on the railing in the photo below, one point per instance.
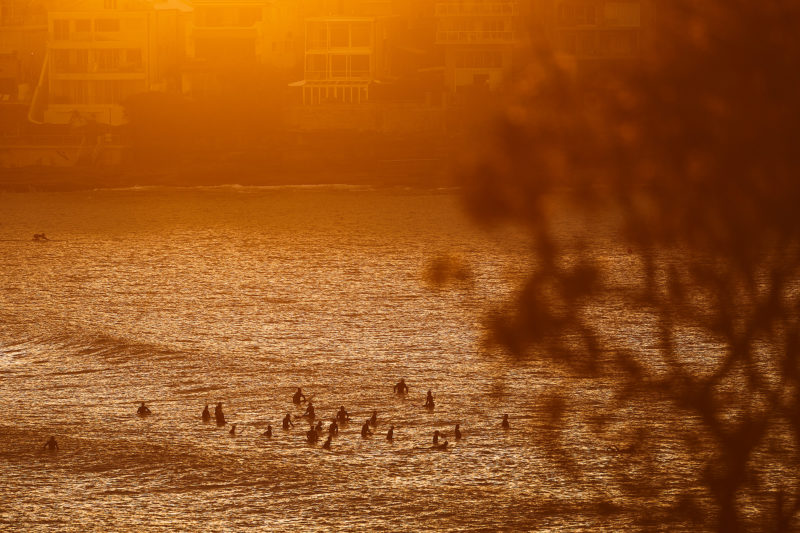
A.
x: 462, y: 37
x: 483, y: 9
x: 324, y: 75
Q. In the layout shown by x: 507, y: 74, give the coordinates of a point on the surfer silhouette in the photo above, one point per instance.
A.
x: 298, y: 397
x: 143, y: 410
x: 429, y: 401
x: 401, y: 387
x: 365, y: 432
x: 219, y: 415
x: 51, y: 445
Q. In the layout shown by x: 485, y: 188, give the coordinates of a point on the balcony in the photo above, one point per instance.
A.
x: 476, y: 37
x: 477, y: 9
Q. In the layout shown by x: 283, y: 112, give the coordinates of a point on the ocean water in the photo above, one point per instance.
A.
x: 187, y: 297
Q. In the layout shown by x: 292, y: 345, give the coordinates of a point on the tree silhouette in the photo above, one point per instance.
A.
x: 662, y: 200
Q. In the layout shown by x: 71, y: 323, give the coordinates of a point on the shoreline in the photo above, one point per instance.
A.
x: 74, y: 179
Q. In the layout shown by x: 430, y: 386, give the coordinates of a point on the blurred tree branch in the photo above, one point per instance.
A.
x: 663, y: 202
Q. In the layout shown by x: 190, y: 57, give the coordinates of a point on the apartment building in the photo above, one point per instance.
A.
x: 343, y: 57
x: 479, y: 38
x: 23, y: 41
x: 600, y: 31
x: 230, y: 38
x: 99, y: 53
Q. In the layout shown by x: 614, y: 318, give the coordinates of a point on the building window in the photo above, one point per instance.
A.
x: 248, y: 16
x: 317, y: 35
x: 360, y: 35
x: 359, y: 66
x: 106, y: 25
x: 340, y: 35
x: 577, y: 14
x: 61, y: 30
x: 623, y: 14
x: 479, y: 59
x: 338, y: 66
x: 133, y: 59
x: 316, y: 66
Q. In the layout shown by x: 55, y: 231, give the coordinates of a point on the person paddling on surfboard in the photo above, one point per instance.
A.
x: 143, y: 410
x: 298, y: 397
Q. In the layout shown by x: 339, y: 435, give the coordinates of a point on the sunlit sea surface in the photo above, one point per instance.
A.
x: 183, y: 297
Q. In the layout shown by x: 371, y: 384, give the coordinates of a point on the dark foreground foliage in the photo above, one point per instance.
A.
x: 689, y: 165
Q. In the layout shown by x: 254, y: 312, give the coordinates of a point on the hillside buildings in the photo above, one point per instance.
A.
x: 100, y: 52
x: 479, y: 38
x: 77, y: 61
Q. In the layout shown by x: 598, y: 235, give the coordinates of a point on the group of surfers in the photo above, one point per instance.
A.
x: 316, y: 431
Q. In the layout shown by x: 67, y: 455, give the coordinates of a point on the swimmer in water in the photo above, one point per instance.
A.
x: 319, y: 428
x: 206, y: 416
x: 287, y: 421
x: 365, y: 432
x: 268, y: 432
x: 311, y: 436
x: 143, y: 410
x: 309, y: 411
x: 327, y: 445
x: 436, y: 437
x: 51, y: 445
x: 458, y: 432
x: 333, y: 429
x: 390, y: 434
x: 342, y: 417
x: 401, y: 387
x: 373, y: 420
x: 232, y: 432
x: 219, y: 415
x: 505, y: 423
x: 298, y: 397
x: 429, y: 401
